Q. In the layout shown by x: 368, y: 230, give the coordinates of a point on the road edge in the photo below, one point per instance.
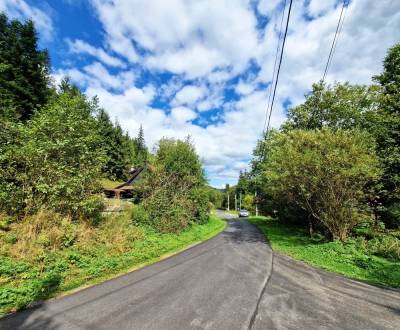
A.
x: 102, y: 280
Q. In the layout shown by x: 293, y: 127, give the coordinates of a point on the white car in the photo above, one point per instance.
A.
x: 243, y: 213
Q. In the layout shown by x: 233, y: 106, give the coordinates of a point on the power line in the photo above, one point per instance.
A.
x: 279, y: 69
x: 335, y: 38
x: 265, y: 132
x: 275, y: 64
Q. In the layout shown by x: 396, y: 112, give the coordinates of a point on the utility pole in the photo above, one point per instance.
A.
x: 235, y: 202
x: 255, y: 199
x: 240, y: 201
x: 228, y: 200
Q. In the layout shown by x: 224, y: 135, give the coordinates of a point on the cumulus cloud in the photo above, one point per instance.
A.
x: 96, y: 75
x: 79, y: 46
x: 182, y: 115
x: 189, y: 95
x: 220, y: 56
x: 184, y: 37
x: 267, y: 7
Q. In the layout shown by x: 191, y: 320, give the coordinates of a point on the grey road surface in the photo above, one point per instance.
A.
x: 233, y: 281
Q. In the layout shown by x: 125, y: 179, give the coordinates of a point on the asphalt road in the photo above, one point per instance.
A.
x: 233, y: 281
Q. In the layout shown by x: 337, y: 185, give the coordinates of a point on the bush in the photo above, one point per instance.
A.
x: 201, y: 205
x: 115, y: 233
x: 174, y: 193
x: 324, y: 172
x: 385, y: 246
x: 168, y: 210
x: 140, y: 216
x: 393, y: 213
x: 53, y: 161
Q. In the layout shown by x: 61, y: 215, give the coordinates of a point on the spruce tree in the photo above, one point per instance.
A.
x: 24, y: 69
x: 388, y: 133
x: 141, y: 149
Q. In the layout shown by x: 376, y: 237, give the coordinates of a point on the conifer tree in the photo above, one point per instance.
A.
x: 24, y: 69
x: 141, y: 149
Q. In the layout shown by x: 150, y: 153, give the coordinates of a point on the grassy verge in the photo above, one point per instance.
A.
x: 350, y: 259
x: 232, y: 212
x: 112, y: 251
x: 109, y: 184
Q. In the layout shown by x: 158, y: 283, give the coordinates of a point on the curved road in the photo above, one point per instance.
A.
x: 233, y: 281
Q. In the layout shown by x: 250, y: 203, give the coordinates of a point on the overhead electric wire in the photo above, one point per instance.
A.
x: 279, y: 66
x: 335, y: 38
x: 275, y: 64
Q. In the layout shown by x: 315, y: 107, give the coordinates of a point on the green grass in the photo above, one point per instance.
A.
x: 109, y: 184
x: 350, y: 259
x: 23, y: 281
x: 233, y: 212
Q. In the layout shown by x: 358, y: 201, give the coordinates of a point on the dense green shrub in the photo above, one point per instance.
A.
x: 54, y: 161
x: 168, y: 212
x: 393, y: 215
x: 324, y: 172
x: 385, y: 246
x: 174, y: 191
x: 201, y: 205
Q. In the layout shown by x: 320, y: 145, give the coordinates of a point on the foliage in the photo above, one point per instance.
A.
x: 393, y: 213
x: 168, y: 204
x: 389, y: 79
x: 388, y: 134
x: 141, y: 149
x: 341, y: 106
x: 96, y: 253
x: 244, y: 184
x: 200, y: 204
x: 119, y: 148
x: 355, y: 258
x: 24, y: 69
x: 172, y: 191
x: 325, y: 173
x: 215, y: 197
x: 374, y: 108
x: 179, y: 158
x: 248, y: 202
x: 53, y: 161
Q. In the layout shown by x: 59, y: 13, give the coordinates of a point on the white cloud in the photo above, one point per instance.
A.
x: 19, y: 9
x: 192, y: 38
x: 267, y: 7
x: 189, y: 95
x: 318, y: 7
x: 80, y: 47
x: 207, y: 43
x: 244, y: 88
x: 182, y: 115
x: 96, y: 74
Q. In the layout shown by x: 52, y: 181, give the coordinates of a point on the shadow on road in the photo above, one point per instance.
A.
x: 241, y: 231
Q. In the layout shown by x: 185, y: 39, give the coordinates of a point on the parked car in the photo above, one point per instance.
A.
x: 243, y: 213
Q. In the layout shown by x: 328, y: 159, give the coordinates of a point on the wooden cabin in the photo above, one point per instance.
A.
x: 125, y: 189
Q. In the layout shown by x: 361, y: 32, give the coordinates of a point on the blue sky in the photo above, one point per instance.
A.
x: 202, y: 67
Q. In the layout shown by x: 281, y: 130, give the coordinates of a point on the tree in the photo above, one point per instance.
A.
x: 388, y: 132
x: 248, y: 202
x: 244, y: 184
x: 372, y: 108
x: 175, y: 191
x: 389, y: 79
x: 179, y: 158
x: 119, y: 148
x: 341, y: 106
x: 325, y: 173
x: 54, y: 161
x: 141, y: 149
x: 24, y: 69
